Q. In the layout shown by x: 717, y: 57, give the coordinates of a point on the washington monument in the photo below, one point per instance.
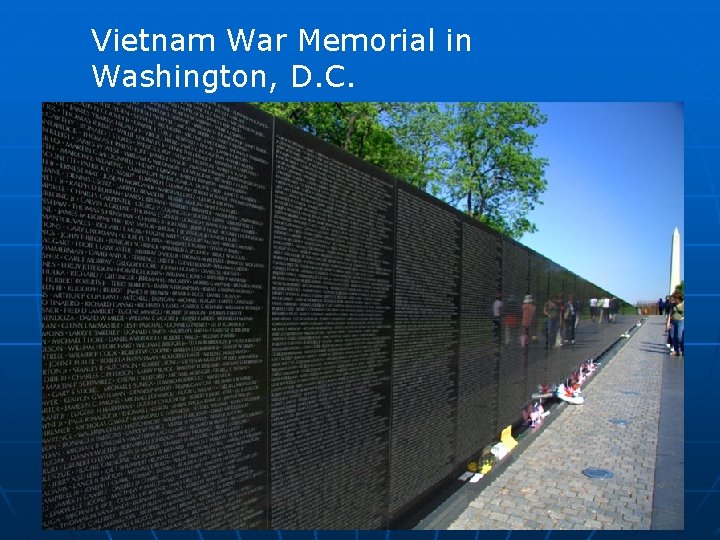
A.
x: 675, y: 261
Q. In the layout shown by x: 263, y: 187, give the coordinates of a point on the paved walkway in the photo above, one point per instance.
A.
x: 544, y: 487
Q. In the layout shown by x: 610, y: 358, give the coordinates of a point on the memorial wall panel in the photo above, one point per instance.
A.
x: 477, y: 399
x: 424, y: 375
x: 155, y: 222
x: 513, y: 359
x: 331, y: 327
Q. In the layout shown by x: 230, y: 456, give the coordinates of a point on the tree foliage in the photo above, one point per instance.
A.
x: 476, y: 156
x: 422, y: 130
x: 680, y: 288
x: 354, y: 127
x: 494, y: 174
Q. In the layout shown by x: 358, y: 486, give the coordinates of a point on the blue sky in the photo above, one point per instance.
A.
x: 615, y: 193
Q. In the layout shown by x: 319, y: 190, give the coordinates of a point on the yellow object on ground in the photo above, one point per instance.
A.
x: 507, y: 439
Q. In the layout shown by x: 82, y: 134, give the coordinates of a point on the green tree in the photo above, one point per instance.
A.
x: 422, y: 130
x: 346, y: 125
x: 494, y: 173
x: 354, y: 127
x: 681, y: 288
x: 478, y: 156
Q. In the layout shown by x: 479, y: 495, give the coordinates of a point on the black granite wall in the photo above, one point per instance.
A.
x: 246, y: 328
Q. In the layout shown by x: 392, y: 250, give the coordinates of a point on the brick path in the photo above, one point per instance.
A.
x: 545, y: 488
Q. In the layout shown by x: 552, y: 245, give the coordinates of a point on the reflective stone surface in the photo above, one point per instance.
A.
x: 247, y: 328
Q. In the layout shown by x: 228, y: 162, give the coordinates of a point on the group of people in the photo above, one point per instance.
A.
x: 561, y: 320
x: 604, y: 309
x: 673, y: 307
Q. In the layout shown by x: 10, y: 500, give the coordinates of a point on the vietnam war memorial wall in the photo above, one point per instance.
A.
x: 247, y: 328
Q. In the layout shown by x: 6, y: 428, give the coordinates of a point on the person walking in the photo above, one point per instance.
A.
x: 593, y: 308
x: 614, y: 309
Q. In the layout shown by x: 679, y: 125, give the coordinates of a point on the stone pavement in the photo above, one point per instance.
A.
x: 544, y: 487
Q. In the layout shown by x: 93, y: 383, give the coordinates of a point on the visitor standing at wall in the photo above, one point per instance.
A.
x: 569, y: 320
x: 497, y: 313
x: 669, y: 304
x: 604, y: 305
x: 661, y: 306
x: 676, y: 323
x: 511, y: 320
x: 578, y: 311
x: 528, y: 320
x: 552, y: 312
x: 614, y: 309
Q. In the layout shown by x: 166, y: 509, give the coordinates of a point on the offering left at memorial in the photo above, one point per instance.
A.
x: 570, y: 394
